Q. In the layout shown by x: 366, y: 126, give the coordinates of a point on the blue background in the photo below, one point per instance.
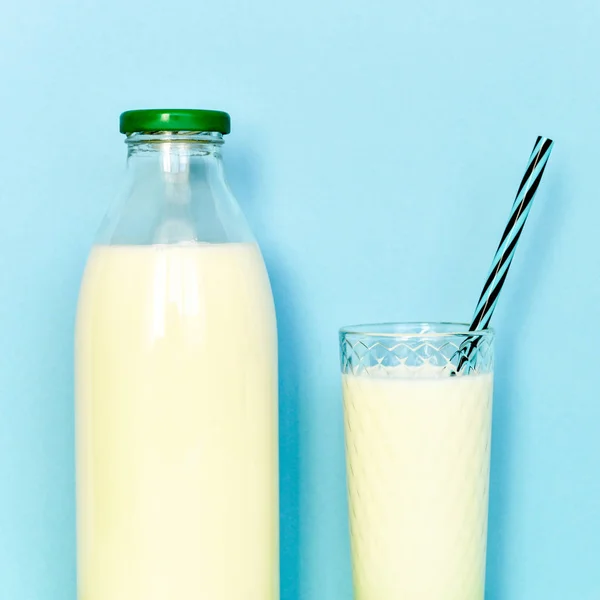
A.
x: 376, y: 151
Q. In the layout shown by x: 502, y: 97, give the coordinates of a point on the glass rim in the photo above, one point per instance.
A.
x: 416, y: 329
x: 137, y: 137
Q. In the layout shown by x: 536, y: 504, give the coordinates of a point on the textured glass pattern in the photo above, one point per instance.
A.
x: 360, y: 353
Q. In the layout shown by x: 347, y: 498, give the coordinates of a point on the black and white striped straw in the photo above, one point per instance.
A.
x: 508, y: 243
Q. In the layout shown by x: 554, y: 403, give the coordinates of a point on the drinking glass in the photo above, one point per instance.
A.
x: 417, y: 410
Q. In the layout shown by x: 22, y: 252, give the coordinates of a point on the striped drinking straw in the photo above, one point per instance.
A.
x: 508, y: 243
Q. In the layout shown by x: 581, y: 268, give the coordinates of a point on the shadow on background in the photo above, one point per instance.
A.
x: 521, y: 300
x: 289, y: 433
x: 243, y: 174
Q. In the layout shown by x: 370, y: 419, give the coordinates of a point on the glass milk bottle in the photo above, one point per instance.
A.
x: 176, y: 381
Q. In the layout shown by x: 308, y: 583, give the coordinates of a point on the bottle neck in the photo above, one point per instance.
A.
x: 175, y: 192
x: 176, y: 158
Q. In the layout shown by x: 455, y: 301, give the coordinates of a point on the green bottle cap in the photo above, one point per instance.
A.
x: 174, y: 119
